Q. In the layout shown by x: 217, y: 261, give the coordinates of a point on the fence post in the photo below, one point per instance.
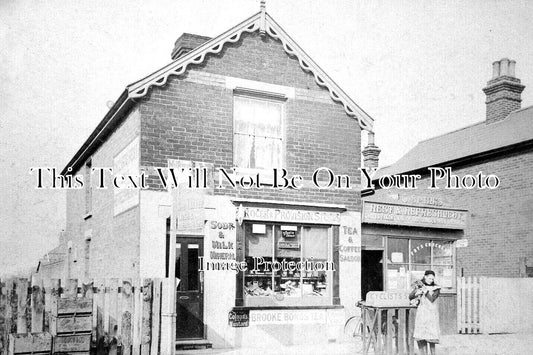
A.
x: 71, y: 288
x: 156, y: 316
x: 37, y: 304
x: 146, y: 316
x: 3, y: 332
x: 137, y: 317
x: 126, y: 311
x: 22, y: 306
x: 113, y: 323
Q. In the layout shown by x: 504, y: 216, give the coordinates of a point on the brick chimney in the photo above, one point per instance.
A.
x: 186, y: 43
x: 503, y: 91
x: 371, y: 153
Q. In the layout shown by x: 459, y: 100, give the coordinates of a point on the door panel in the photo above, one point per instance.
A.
x: 189, y: 306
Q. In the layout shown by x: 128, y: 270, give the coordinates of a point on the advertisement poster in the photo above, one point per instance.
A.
x: 227, y: 177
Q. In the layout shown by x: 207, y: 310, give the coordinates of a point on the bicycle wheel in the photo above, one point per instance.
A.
x: 353, y: 332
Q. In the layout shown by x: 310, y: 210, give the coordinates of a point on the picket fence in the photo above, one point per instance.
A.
x: 468, y: 305
x: 126, y: 313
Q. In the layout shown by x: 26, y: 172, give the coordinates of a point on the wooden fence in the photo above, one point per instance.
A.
x: 468, y: 305
x: 126, y: 313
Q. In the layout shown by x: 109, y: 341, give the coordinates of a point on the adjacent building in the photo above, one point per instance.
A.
x: 474, y: 230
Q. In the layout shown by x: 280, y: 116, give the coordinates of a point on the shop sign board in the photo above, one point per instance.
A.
x: 288, y: 245
x: 419, y: 216
x: 290, y: 215
x: 388, y: 299
x: 239, y: 318
x: 288, y: 234
x: 126, y: 163
x: 307, y: 316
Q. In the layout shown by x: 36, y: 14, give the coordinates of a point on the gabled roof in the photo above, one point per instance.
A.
x: 261, y: 22
x: 255, y: 23
x: 475, y: 140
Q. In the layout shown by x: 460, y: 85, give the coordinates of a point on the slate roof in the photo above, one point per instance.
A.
x: 466, y: 142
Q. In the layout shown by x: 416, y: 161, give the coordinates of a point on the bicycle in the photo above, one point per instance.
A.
x: 353, y: 329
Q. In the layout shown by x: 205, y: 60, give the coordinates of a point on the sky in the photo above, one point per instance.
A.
x: 417, y: 67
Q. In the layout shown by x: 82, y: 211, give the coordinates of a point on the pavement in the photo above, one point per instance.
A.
x: 458, y: 344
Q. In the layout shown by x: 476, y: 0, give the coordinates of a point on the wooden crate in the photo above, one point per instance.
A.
x: 72, y: 344
x: 71, y: 325
x: 74, y: 324
x: 30, y: 343
x: 69, y: 306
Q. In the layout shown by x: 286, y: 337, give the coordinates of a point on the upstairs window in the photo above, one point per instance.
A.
x: 258, y: 133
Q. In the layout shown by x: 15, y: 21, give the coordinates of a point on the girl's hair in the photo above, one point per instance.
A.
x: 428, y: 272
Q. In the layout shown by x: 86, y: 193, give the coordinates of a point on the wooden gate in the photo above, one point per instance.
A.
x: 468, y: 305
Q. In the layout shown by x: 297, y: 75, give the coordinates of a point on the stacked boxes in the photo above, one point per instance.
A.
x: 71, y: 325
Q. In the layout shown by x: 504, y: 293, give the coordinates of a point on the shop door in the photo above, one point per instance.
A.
x: 189, y: 308
x: 371, y: 271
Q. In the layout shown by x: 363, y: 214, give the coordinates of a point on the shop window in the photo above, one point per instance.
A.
x: 287, y: 265
x: 257, y: 133
x: 407, y: 259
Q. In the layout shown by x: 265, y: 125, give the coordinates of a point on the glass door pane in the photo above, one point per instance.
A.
x: 193, y: 278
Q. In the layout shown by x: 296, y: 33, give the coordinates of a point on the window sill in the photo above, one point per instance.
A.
x: 269, y: 308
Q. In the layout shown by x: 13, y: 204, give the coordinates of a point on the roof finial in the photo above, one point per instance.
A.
x: 262, y: 26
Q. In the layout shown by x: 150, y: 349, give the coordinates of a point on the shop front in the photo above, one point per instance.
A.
x: 402, y: 236
x: 278, y: 272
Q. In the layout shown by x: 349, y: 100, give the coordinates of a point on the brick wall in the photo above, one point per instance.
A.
x: 500, y: 226
x: 114, y: 245
x: 191, y: 118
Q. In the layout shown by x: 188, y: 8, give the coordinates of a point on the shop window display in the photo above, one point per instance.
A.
x: 407, y: 259
x: 287, y: 264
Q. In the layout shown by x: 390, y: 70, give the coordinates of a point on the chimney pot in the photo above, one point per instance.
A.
x: 504, y: 67
x: 495, y: 69
x: 512, y: 65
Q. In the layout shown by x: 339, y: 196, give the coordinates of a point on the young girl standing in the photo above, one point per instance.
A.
x: 427, y: 330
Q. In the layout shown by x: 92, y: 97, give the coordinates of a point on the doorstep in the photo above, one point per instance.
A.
x: 193, y: 344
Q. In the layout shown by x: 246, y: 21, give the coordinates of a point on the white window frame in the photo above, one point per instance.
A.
x: 261, y: 95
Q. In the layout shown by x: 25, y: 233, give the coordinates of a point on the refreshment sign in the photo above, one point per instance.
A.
x: 388, y: 299
x: 389, y: 213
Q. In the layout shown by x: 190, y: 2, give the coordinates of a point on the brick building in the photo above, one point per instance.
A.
x: 246, y: 101
x: 469, y: 231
